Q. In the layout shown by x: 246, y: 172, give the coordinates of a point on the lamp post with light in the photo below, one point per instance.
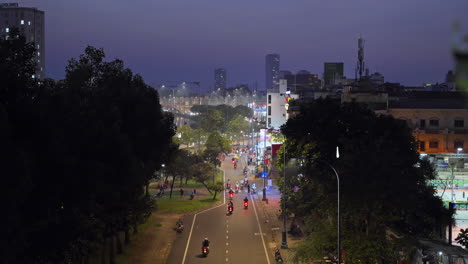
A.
x: 284, y: 242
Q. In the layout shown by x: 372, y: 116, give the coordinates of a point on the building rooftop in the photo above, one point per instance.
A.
x: 429, y: 100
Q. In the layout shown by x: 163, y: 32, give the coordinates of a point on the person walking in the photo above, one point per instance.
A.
x: 181, y: 193
x: 248, y: 188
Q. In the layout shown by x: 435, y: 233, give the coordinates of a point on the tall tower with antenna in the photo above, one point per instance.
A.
x: 360, y: 63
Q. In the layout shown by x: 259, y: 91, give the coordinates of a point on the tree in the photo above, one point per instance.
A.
x: 462, y: 237
x: 212, y: 121
x: 186, y: 135
x: 214, y: 145
x: 202, y: 173
x: 238, y: 126
x: 80, y: 152
x: 216, y: 188
x: 385, y: 193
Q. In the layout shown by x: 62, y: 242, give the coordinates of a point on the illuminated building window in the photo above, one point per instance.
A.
x: 22, y: 22
x: 7, y: 30
x: 33, y: 76
x: 29, y: 23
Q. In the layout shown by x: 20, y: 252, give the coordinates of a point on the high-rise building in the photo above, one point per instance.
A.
x: 332, y: 71
x: 30, y: 22
x: 220, y: 79
x: 272, y: 71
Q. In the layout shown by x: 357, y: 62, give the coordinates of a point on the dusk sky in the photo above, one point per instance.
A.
x: 170, y: 41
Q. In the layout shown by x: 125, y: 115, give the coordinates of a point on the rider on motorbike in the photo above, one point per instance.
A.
x: 206, y: 243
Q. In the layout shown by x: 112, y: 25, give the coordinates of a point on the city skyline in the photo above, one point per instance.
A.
x: 183, y: 41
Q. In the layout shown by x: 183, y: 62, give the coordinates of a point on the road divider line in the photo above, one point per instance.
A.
x: 195, y: 217
x: 261, y: 232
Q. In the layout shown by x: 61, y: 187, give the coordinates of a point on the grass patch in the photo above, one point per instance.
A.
x: 184, y: 206
x: 127, y: 249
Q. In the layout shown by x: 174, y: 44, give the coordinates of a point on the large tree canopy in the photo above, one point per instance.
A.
x: 77, y: 154
x: 385, y: 197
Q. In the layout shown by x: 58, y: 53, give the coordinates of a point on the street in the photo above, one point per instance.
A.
x: 236, y: 238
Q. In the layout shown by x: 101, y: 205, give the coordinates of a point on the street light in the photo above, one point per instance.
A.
x: 338, y: 202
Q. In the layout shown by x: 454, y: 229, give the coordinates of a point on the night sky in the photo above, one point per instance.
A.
x: 170, y: 41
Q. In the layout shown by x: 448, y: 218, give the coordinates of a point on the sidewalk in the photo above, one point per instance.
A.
x: 272, y: 225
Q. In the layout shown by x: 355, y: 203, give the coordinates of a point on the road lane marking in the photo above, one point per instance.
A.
x: 195, y: 217
x: 260, y: 228
x: 227, y: 237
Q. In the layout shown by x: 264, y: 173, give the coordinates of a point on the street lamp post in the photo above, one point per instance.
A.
x: 284, y: 243
x: 338, y: 203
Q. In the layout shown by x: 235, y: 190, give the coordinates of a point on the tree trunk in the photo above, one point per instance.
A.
x: 206, y: 187
x: 127, y: 236
x: 172, y: 186
x: 186, y: 180
x: 135, y: 227
x: 111, y: 250
x: 103, y: 251
x: 147, y: 188
x: 214, y: 197
x: 119, y: 244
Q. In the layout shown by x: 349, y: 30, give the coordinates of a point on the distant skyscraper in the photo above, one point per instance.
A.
x: 30, y: 22
x: 332, y: 71
x: 272, y: 70
x: 220, y: 78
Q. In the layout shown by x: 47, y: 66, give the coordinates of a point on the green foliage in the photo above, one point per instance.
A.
x: 214, y: 145
x: 211, y: 113
x: 79, y: 152
x: 187, y: 135
x: 462, y: 238
x: 216, y: 188
x: 238, y: 127
x: 212, y: 121
x: 384, y: 184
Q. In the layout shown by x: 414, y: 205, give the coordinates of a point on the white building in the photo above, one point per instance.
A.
x: 277, y: 105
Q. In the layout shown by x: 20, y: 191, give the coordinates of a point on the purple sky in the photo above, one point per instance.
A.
x: 170, y: 41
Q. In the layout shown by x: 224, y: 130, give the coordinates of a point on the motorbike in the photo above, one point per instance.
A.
x: 230, y: 209
x: 231, y: 194
x: 278, y: 257
x: 180, y: 228
x: 205, y: 251
x: 246, y: 205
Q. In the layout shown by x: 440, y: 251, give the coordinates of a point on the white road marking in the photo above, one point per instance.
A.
x: 260, y: 228
x: 227, y: 231
x: 195, y: 217
x: 227, y: 237
x: 227, y: 244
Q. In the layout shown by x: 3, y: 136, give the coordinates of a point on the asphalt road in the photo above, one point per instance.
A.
x: 235, y: 238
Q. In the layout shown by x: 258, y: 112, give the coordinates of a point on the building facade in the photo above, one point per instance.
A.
x: 332, y: 71
x: 277, y: 105
x: 220, y: 79
x: 31, y: 24
x: 272, y: 71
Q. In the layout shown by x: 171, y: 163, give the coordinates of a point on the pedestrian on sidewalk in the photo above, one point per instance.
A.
x: 181, y: 193
x: 194, y: 191
x: 248, y: 188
